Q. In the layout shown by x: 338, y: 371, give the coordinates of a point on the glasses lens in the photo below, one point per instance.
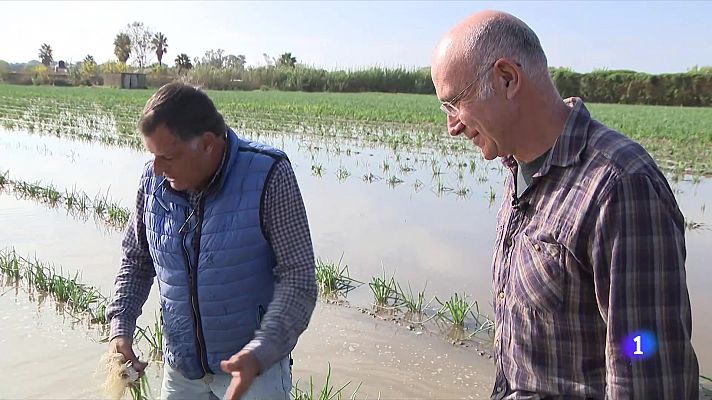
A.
x: 449, y: 109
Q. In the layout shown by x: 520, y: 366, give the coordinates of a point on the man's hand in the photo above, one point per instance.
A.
x: 122, y: 344
x: 243, y: 367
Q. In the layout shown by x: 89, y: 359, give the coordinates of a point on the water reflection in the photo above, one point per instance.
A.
x: 410, y: 229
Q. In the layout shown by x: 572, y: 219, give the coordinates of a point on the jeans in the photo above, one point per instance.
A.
x: 273, y: 384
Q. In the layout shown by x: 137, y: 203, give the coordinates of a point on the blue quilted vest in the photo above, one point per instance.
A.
x: 212, y: 299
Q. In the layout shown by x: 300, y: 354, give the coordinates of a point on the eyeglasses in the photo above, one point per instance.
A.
x: 449, y: 107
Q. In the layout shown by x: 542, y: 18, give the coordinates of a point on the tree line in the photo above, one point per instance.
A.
x: 136, y: 44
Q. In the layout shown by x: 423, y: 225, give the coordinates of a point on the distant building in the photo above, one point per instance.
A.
x: 126, y: 80
x: 60, y: 68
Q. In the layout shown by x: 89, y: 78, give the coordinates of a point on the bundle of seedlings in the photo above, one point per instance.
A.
x: 118, y: 374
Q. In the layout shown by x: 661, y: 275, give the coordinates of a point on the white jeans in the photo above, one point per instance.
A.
x: 273, y: 384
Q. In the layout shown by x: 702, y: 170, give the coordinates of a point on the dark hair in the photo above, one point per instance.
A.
x: 186, y: 110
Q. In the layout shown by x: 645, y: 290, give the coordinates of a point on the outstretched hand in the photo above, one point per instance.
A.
x: 243, y: 367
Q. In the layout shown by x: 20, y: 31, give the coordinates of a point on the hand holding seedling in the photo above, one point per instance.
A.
x: 122, y: 344
x: 243, y: 367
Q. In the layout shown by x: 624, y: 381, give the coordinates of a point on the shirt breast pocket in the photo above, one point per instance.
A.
x: 537, y: 275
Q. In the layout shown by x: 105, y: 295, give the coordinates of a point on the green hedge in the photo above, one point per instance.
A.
x: 630, y: 87
x: 398, y: 80
x: 619, y: 86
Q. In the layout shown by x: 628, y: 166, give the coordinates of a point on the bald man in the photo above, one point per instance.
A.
x: 589, y: 265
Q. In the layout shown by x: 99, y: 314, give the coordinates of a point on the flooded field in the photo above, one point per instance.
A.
x: 422, y: 214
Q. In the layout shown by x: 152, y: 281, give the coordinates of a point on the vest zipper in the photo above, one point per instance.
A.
x: 193, y: 282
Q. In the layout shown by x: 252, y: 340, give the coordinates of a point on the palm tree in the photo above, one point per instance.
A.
x: 46, y: 54
x: 160, y: 45
x: 122, y: 47
x: 183, y: 63
x: 286, y: 60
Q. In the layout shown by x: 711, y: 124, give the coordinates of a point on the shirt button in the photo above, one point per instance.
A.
x: 537, y: 247
x: 501, y: 295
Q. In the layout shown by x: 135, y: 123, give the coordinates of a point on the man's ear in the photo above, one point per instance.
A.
x: 508, y: 73
x: 208, y: 140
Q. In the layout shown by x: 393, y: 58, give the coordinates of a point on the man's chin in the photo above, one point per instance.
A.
x: 176, y: 186
x: 487, y: 155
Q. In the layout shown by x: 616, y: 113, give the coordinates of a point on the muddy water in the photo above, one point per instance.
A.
x: 416, y: 232
x: 387, y: 359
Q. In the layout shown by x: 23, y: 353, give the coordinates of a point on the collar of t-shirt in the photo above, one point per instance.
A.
x: 525, y: 172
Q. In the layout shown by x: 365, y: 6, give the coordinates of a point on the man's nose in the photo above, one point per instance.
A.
x: 454, y: 125
x: 158, y: 168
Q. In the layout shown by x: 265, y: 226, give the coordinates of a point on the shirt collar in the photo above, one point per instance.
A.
x: 570, y: 144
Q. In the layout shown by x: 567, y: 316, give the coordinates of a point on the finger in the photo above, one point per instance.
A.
x: 229, y: 365
x: 139, y: 365
x: 241, y: 385
x: 231, y: 393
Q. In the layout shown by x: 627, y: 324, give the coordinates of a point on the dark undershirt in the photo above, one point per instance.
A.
x: 526, y: 171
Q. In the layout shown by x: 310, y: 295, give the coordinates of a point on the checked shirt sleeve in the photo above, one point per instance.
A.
x: 638, y: 255
x: 135, y: 277
x: 286, y: 226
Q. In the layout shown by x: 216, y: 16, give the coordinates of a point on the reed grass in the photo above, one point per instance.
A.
x: 393, y: 181
x: 153, y: 335
x: 333, y: 279
x: 455, y: 309
x: 317, y: 170
x: 413, y: 303
x: 73, y: 201
x: 327, y: 391
x: 385, y: 291
x: 65, y: 289
x: 342, y: 173
x: 141, y: 389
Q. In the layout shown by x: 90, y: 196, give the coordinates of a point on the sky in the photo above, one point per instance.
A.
x: 649, y: 36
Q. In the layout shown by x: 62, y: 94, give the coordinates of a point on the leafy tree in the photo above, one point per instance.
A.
x: 286, y: 60
x: 236, y: 62
x: 88, y: 69
x: 214, y: 58
x: 159, y: 43
x: 140, y: 37
x: 269, y: 61
x: 122, y: 47
x: 40, y: 74
x: 183, y: 63
x: 46, y: 54
x: 113, y: 67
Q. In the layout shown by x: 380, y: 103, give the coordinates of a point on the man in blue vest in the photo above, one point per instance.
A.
x: 221, y: 224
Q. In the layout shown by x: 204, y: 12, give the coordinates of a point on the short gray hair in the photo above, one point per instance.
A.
x: 503, y: 36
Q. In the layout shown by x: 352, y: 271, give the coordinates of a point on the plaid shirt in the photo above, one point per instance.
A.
x: 592, y: 252
x: 295, y: 292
